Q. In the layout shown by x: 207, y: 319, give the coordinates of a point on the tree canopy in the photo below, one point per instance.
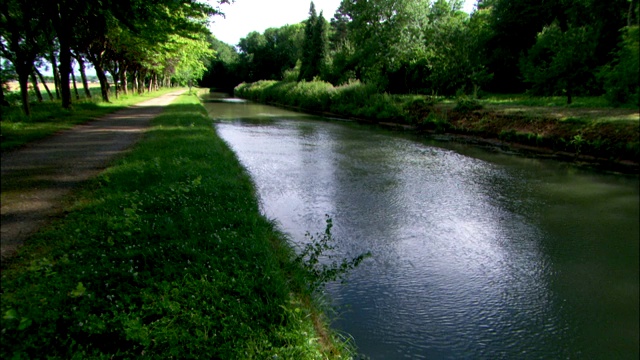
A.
x: 163, y: 40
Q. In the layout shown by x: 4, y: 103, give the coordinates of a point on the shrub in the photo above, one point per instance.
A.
x: 466, y: 104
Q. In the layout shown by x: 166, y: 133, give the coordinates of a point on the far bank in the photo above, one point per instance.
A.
x: 587, y: 132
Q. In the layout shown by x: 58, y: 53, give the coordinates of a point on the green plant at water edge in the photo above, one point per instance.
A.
x: 578, y: 141
x: 320, y: 246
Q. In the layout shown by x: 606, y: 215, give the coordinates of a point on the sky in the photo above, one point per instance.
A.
x: 245, y: 16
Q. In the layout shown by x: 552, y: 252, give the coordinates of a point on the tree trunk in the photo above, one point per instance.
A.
x: 75, y: 87
x: 83, y: 75
x: 134, y: 82
x: 150, y: 83
x: 36, y: 89
x: 3, y: 102
x: 65, y: 69
x: 104, y: 83
x: 43, y: 81
x: 56, y: 77
x: 123, y: 81
x: 61, y: 24
x: 141, y: 76
x: 23, y: 79
x: 116, y: 80
x: 569, y: 93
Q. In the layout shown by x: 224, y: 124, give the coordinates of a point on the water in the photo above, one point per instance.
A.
x: 476, y: 254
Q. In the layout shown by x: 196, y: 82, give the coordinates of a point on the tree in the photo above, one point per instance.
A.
x: 267, y: 56
x: 454, y: 58
x: 514, y: 25
x: 222, y: 69
x: 385, y: 35
x: 7, y: 73
x: 23, y: 36
x: 314, y: 46
x: 621, y: 75
x: 559, y: 60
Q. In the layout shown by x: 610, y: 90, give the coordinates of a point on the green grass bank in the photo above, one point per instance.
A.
x: 164, y: 255
x: 587, y: 131
x: 48, y: 117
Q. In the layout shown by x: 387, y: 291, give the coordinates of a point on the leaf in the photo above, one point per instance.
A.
x: 24, y: 323
x: 79, y: 291
x: 10, y: 314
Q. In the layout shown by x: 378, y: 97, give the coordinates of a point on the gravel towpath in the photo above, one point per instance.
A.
x: 37, y: 178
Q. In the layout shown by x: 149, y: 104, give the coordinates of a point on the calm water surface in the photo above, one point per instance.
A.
x: 476, y: 254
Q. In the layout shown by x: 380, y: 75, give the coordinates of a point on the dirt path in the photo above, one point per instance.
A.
x: 36, y: 179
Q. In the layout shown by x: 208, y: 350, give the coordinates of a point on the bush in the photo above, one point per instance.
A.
x: 466, y: 104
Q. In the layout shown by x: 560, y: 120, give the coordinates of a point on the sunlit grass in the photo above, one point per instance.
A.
x: 547, y: 101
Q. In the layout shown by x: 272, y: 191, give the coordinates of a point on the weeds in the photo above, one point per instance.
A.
x: 319, y: 272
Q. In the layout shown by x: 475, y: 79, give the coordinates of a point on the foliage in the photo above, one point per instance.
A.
x: 137, y: 40
x: 559, y: 60
x: 267, y: 56
x: 314, y: 46
x: 621, y: 75
x: 320, y: 271
x: 466, y: 104
x: 352, y: 100
x: 222, y: 70
x: 24, y: 34
x: 165, y: 255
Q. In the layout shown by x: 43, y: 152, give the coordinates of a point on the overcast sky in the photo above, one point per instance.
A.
x: 245, y: 16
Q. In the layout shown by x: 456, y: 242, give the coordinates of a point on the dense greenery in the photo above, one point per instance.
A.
x: 138, y: 42
x: 520, y: 119
x: 164, y: 255
x: 557, y: 47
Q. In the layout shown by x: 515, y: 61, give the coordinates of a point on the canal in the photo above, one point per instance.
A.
x: 476, y: 254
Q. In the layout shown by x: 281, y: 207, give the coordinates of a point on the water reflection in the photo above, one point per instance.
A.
x: 473, y: 258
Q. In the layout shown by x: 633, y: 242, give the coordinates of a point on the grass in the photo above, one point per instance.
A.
x: 547, y: 101
x: 164, y: 255
x: 48, y: 117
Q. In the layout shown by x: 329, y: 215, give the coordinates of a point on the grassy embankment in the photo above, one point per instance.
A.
x: 588, y: 129
x: 164, y: 255
x: 48, y: 117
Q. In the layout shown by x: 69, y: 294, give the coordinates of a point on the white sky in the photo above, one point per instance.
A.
x: 245, y: 16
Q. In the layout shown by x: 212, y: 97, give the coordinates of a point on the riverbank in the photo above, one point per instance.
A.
x: 164, y: 254
x: 598, y: 136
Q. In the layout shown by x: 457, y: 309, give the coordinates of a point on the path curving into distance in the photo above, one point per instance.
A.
x: 36, y: 179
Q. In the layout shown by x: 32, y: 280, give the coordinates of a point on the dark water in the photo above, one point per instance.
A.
x: 476, y: 254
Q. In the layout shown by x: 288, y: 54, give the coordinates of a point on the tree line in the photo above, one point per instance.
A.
x: 553, y: 47
x: 141, y: 44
